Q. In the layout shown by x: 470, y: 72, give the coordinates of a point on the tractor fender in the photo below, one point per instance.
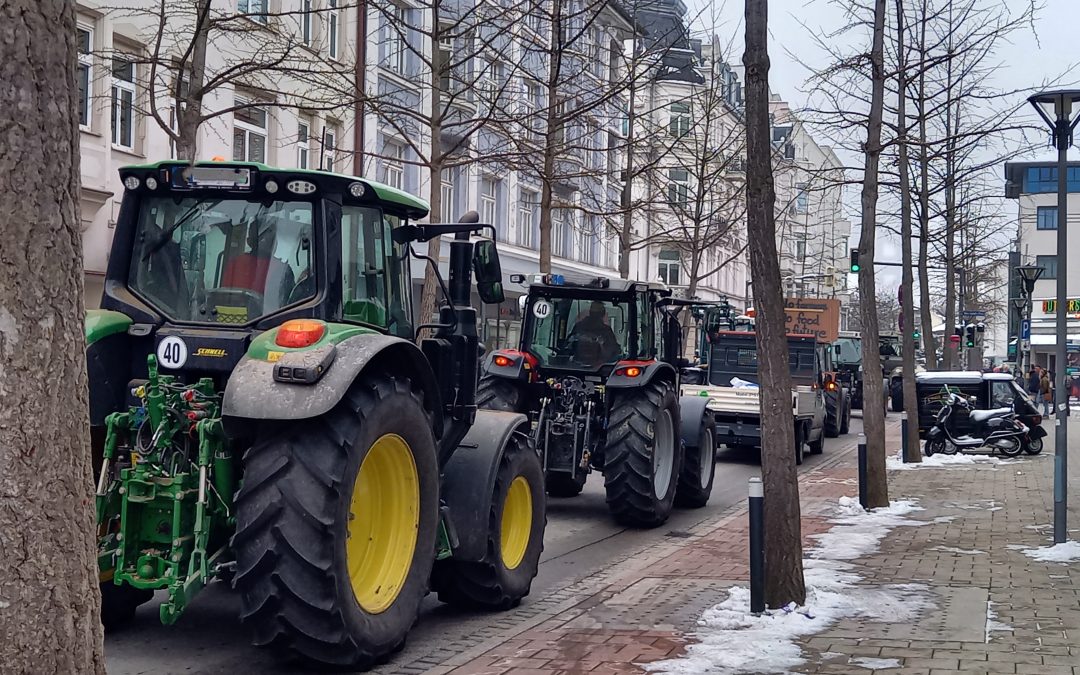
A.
x: 515, y: 371
x: 651, y: 371
x: 469, y: 478
x: 252, y: 394
x: 691, y: 411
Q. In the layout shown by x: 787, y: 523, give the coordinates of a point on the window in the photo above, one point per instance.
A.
x: 488, y: 202
x: 329, y: 148
x: 303, y: 144
x: 305, y: 23
x: 670, y: 268
x: 802, y: 199
x: 527, y: 203
x: 332, y: 27
x: 395, y: 39
x: 559, y: 232
x: 1046, y: 218
x: 256, y: 10
x: 447, y: 196
x: 1049, y: 265
x: 679, y: 125
x: 800, y: 248
x: 678, y: 187
x: 123, y: 104
x: 533, y: 15
x: 1044, y: 179
x: 394, y: 166
x: 249, y: 133
x: 375, y: 276
x: 84, y: 39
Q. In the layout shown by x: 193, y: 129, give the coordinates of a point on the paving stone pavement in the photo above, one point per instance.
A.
x: 994, y: 609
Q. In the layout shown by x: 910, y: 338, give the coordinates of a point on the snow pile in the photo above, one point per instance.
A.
x: 992, y: 624
x: 958, y: 551
x: 1064, y: 552
x: 896, y: 462
x: 731, y: 640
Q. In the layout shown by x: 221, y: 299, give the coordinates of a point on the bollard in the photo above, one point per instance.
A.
x: 757, y: 546
x: 862, y: 470
x: 903, y: 437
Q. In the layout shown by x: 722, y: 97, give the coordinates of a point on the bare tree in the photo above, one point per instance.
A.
x: 49, y: 596
x: 783, y: 546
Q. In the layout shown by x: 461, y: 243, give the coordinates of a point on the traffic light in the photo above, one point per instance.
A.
x: 855, y: 267
x: 916, y: 334
x: 970, y: 331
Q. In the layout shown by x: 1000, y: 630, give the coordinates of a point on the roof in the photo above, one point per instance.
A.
x: 613, y: 285
x: 959, y: 377
x: 416, y: 207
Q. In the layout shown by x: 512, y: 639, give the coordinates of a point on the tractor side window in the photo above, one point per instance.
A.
x: 374, y: 275
x: 647, y: 342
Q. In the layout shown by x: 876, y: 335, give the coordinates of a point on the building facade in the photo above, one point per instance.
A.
x: 1034, y: 187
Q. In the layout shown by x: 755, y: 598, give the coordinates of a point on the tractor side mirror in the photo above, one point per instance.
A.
x: 836, y: 349
x: 488, y: 272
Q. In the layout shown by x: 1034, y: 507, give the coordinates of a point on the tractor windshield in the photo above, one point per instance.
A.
x: 225, y: 260
x: 578, y: 332
x: 850, y: 350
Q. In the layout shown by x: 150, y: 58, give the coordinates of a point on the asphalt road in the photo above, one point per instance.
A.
x: 580, y: 539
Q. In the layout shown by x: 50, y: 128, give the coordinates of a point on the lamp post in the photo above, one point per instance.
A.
x: 1056, y: 109
x: 1029, y: 274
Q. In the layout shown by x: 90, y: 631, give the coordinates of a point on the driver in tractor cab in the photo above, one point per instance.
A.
x: 595, y: 342
x: 260, y: 270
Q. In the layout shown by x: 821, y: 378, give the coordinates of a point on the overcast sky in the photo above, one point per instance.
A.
x: 1033, y: 56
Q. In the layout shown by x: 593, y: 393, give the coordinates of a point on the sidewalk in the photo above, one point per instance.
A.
x: 941, y: 582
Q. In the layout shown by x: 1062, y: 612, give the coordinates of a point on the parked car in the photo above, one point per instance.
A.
x: 989, y: 390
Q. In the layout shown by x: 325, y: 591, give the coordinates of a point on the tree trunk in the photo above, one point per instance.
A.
x: 873, y: 394
x: 189, y: 115
x: 429, y: 296
x: 626, y: 234
x: 907, y: 306
x: 49, y: 597
x: 925, y: 311
x: 783, y: 547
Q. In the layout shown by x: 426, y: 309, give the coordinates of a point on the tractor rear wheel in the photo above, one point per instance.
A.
x: 335, y: 526
x: 497, y: 393
x: 833, y: 414
x: 698, y: 469
x: 561, y: 484
x: 845, y: 424
x: 642, y: 458
x: 515, y: 540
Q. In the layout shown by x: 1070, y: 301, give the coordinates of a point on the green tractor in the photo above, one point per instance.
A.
x: 261, y: 414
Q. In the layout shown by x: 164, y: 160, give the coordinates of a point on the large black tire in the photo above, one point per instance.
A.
x: 118, y: 604
x: 833, y: 412
x: 497, y: 393
x: 817, y: 447
x: 800, y: 442
x: 294, y: 515
x: 496, y: 583
x: 845, y: 425
x: 560, y: 484
x: 631, y: 471
x: 896, y: 396
x: 698, y: 468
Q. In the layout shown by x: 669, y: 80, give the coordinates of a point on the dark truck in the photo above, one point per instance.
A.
x: 847, y: 351
x: 728, y: 377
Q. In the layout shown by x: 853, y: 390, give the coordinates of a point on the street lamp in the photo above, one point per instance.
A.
x: 1029, y: 274
x: 1056, y: 108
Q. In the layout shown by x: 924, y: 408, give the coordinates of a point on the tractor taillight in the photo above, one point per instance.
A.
x: 629, y: 371
x: 298, y: 333
x: 503, y: 361
x: 831, y: 386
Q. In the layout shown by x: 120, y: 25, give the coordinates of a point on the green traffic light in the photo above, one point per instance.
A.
x: 854, y: 268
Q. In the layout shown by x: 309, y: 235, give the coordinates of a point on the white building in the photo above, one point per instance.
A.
x: 1034, y: 186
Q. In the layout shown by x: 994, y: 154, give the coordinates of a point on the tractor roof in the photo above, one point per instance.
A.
x: 414, y: 206
x: 597, y: 285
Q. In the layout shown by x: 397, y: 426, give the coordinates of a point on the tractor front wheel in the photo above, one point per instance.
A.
x: 335, y: 527
x: 698, y: 469
x: 496, y: 393
x: 515, y: 540
x: 642, y: 459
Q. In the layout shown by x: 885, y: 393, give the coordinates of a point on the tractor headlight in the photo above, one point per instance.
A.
x: 357, y: 190
x: 151, y: 183
x: 300, y: 187
x: 132, y: 182
x: 271, y: 186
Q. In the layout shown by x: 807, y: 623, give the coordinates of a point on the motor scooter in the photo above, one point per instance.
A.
x: 999, y: 429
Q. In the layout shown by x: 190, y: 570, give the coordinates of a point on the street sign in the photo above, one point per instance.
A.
x: 1025, y: 329
x: 973, y: 314
x: 1025, y: 345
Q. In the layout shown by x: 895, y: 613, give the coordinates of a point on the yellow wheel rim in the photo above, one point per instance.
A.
x: 383, y: 519
x: 517, y: 514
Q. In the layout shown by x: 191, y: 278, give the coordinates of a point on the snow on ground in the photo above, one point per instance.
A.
x: 896, y: 462
x: 875, y: 664
x: 1065, y: 552
x: 731, y: 640
x: 992, y: 624
x: 958, y: 551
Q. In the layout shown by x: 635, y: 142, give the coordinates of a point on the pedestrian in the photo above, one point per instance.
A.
x: 1033, y: 382
x: 1075, y: 386
x: 1047, y: 392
